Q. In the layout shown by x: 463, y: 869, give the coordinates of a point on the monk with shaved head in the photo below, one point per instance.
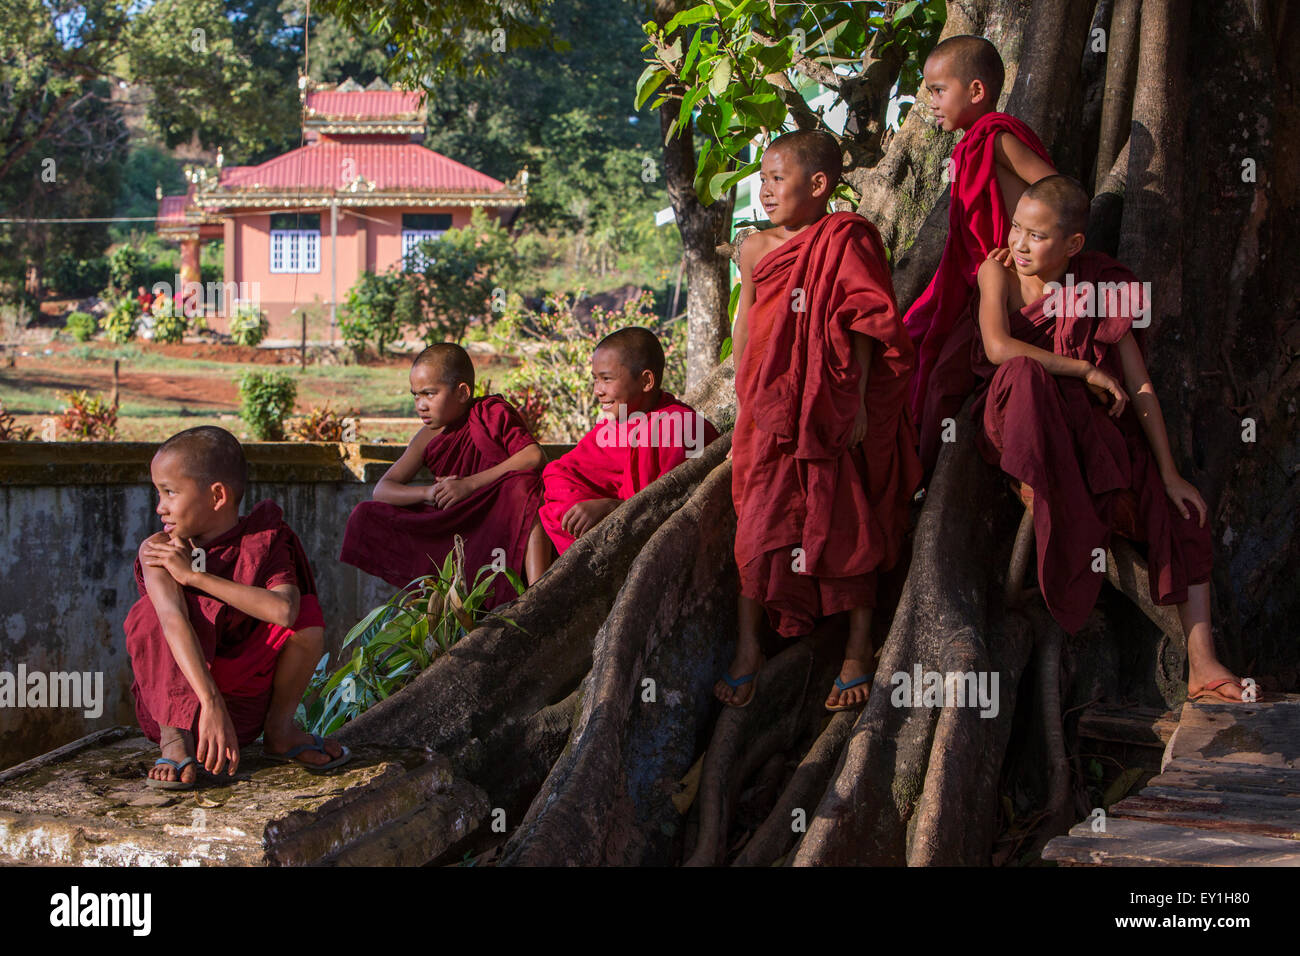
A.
x: 643, y: 432
x: 228, y: 628
x: 1067, y: 408
x: 486, y: 487
x: 997, y: 157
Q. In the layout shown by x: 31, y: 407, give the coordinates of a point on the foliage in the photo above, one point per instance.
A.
x: 10, y: 430
x: 89, y: 417
x: 325, y: 424
x: 461, y: 276
x: 169, y: 325
x: 532, y: 407
x: 81, y: 326
x: 400, y: 638
x: 72, y: 276
x: 557, y: 348
x: 265, y: 400
x: 370, y: 313
x: 125, y: 264
x: 122, y: 321
x: 248, y: 325
x: 727, y: 66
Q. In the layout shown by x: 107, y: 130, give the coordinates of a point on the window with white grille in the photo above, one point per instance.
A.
x: 295, y: 242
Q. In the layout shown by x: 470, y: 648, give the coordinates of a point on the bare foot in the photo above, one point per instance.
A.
x: 744, y: 665
x: 176, y: 745
x: 854, y: 696
x: 283, y: 739
x: 1214, y: 684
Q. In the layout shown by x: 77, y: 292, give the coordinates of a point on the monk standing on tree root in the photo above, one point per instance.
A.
x: 1070, y: 411
x: 824, y: 463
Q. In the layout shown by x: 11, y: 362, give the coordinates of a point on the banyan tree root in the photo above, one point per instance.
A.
x: 484, y: 703
x: 788, y: 704
x: 777, y: 834
x: 647, y: 701
x: 912, y: 786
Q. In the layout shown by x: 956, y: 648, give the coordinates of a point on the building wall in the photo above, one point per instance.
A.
x: 373, y: 243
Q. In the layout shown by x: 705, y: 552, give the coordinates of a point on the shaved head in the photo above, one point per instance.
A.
x: 971, y: 58
x: 449, y: 363
x: 638, y: 349
x: 1066, y: 198
x: 816, y: 151
x: 208, y: 455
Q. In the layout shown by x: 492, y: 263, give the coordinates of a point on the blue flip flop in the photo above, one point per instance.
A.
x: 735, y: 682
x: 319, y: 745
x: 178, y: 784
x: 842, y: 687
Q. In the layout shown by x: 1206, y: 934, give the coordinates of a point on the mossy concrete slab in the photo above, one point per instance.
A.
x: 86, y: 804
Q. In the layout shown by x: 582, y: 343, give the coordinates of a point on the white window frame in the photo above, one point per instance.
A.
x: 413, y: 237
x: 295, y: 250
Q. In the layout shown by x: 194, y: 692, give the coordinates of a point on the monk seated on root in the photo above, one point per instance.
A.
x: 1068, y: 409
x: 823, y: 456
x: 228, y: 629
x: 643, y: 432
x: 487, y: 485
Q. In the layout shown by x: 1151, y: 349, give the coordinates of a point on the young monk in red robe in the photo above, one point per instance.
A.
x: 823, y: 453
x: 993, y: 163
x: 487, y: 485
x: 643, y: 432
x: 228, y: 629
x: 1070, y: 411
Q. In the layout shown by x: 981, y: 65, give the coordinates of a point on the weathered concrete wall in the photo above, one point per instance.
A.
x: 72, y: 516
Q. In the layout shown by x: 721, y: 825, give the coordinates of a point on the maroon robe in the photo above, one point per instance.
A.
x: 938, y: 322
x: 1050, y: 433
x: 795, y: 482
x: 401, y: 543
x: 261, y: 551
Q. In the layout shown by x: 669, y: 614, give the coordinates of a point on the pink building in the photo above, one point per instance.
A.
x: 358, y: 195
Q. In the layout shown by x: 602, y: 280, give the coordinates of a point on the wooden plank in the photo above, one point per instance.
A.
x: 59, y: 754
x: 1218, y: 812
x: 1140, y: 726
x: 1266, y: 734
x: 1189, y: 773
x: 1139, y: 843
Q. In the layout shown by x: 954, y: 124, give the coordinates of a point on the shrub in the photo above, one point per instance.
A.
x: 10, y: 430
x: 89, y: 417
x: 168, y: 325
x: 556, y: 371
x: 324, y: 424
x: 81, y: 326
x: 400, y: 638
x: 457, y: 277
x: 248, y: 325
x: 122, y: 322
x: 370, y: 312
x: 125, y: 266
x: 532, y: 407
x: 266, y: 399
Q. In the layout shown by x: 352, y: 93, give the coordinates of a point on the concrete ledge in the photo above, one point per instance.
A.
x: 127, y: 463
x: 87, y: 805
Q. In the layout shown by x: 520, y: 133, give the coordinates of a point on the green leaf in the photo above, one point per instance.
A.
x: 692, y: 52
x: 765, y: 109
x: 906, y: 10
x: 650, y: 81
x: 721, y: 182
x: 721, y: 78
x: 726, y: 348
x: 695, y: 14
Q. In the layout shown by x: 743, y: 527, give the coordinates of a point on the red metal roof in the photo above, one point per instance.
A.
x: 333, y: 164
x: 172, y: 208
x: 370, y: 104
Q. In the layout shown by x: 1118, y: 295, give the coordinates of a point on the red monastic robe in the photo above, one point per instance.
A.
x: 241, y: 651
x: 400, y: 543
x: 1048, y: 432
x: 938, y: 322
x: 616, y: 460
x: 795, y: 483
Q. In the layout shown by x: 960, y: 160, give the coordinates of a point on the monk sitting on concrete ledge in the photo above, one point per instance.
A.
x: 228, y: 629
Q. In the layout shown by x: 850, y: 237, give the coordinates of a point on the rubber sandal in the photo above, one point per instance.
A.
x: 737, y: 682
x: 154, y: 783
x: 1209, y: 691
x: 319, y: 745
x: 842, y: 687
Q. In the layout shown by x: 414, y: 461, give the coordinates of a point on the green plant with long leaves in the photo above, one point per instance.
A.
x: 400, y: 638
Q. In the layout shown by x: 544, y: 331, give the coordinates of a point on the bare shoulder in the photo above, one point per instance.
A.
x: 420, y: 439
x: 993, y: 275
x: 158, y: 537
x: 756, y: 245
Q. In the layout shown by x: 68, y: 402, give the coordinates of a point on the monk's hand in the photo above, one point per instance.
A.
x: 1183, y: 493
x: 585, y: 515
x: 1105, y: 385
x: 174, y: 557
x: 859, y: 429
x: 217, y: 745
x: 1000, y: 255
x: 450, y: 489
